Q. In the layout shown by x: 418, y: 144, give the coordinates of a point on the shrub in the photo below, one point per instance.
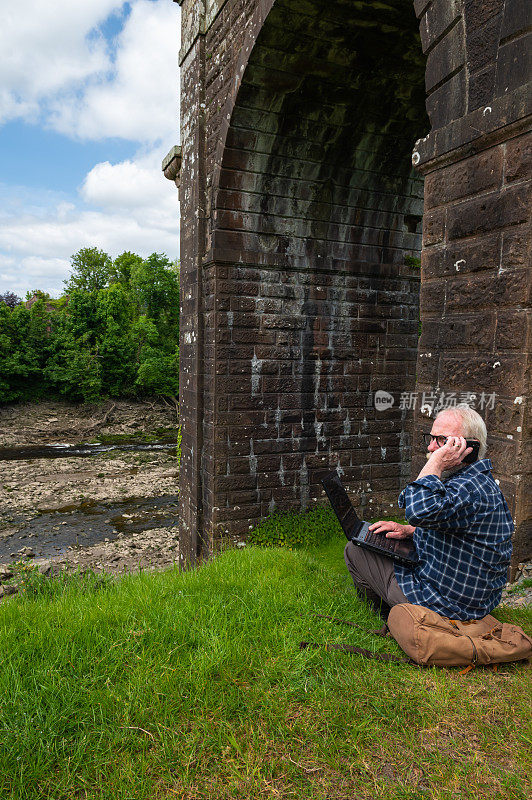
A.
x: 296, y: 529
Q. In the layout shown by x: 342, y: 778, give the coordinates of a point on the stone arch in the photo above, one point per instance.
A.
x: 249, y: 250
x: 316, y: 217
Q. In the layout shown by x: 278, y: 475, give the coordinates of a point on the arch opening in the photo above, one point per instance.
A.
x: 316, y: 226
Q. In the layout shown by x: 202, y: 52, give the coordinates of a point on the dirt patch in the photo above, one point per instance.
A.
x: 45, y: 423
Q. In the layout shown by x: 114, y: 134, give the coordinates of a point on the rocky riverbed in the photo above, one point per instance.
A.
x: 112, y: 509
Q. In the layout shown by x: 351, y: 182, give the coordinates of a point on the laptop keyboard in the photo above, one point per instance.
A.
x: 380, y: 540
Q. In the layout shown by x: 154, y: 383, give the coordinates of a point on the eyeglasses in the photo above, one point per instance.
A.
x: 428, y: 438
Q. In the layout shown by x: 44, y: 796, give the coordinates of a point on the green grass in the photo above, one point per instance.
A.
x: 526, y: 583
x: 164, y: 434
x: 413, y: 261
x: 295, y: 529
x: 192, y: 685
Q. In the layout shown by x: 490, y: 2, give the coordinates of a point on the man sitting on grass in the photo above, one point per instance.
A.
x: 461, y: 525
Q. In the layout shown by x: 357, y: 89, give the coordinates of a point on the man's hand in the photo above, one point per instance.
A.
x: 447, y: 457
x: 393, y: 530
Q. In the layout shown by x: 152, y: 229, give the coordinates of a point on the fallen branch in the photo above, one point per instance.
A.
x: 176, y: 403
x: 101, y: 422
x: 107, y: 415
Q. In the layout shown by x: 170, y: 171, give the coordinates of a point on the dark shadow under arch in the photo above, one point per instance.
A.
x: 316, y: 204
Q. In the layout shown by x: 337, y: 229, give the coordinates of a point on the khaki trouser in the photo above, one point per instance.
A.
x: 373, y: 575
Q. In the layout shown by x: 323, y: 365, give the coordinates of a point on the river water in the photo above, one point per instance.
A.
x: 54, y: 531
x: 72, y: 450
x: 52, y: 534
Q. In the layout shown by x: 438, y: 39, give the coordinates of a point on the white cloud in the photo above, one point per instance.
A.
x: 31, y: 272
x: 137, y: 188
x: 46, y: 48
x: 129, y: 206
x: 123, y: 185
x: 139, y: 99
x: 58, y: 69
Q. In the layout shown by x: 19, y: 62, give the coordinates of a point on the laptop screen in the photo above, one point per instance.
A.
x: 354, y: 528
x: 341, y: 504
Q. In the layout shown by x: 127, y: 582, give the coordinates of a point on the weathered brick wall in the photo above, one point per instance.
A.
x: 299, y: 209
x: 476, y: 277
x: 475, y: 302
x: 192, y: 197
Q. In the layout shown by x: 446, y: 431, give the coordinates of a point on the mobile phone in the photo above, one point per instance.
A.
x: 474, y: 453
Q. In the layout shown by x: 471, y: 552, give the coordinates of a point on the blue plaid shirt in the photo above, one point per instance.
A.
x: 463, y: 538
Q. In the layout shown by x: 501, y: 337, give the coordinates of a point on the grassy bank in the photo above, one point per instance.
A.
x: 193, y: 686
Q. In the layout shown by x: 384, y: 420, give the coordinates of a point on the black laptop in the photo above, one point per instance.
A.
x: 357, y: 531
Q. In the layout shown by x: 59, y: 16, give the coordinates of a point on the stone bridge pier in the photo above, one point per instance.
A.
x: 326, y: 146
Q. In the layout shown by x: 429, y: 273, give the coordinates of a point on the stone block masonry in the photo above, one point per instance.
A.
x: 476, y: 277
x: 475, y: 301
x: 301, y: 221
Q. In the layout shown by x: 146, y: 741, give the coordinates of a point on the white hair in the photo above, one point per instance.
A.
x: 473, y: 425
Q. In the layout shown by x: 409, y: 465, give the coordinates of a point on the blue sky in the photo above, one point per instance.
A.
x: 88, y: 109
x: 33, y: 156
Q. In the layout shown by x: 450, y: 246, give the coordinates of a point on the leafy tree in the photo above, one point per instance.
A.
x: 116, y: 332
x: 73, y: 369
x: 10, y: 299
x: 158, y: 373
x: 82, y: 316
x: 156, y: 287
x: 23, y: 350
x: 6, y: 392
x: 92, y: 270
x: 123, y: 266
x: 114, y: 303
x: 39, y: 294
x: 116, y: 342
